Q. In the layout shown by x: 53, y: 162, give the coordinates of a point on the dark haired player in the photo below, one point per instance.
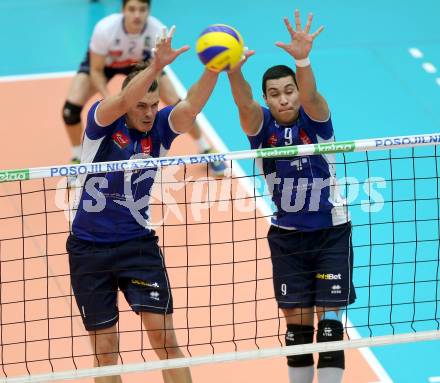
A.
x: 310, y: 235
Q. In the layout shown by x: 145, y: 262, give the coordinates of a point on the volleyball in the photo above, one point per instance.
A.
x: 220, y: 47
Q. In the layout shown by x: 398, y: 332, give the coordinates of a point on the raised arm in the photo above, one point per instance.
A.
x: 299, y: 48
x: 113, y: 107
x: 185, y: 112
x: 251, y: 114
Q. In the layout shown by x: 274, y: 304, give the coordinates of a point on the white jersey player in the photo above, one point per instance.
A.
x: 119, y: 41
x: 120, y: 49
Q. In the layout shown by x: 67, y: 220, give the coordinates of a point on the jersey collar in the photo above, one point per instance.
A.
x: 279, y: 126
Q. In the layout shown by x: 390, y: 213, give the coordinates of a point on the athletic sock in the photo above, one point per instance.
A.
x: 301, y: 374
x: 330, y: 375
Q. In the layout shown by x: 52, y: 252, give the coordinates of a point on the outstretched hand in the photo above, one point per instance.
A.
x: 301, y: 39
x: 164, y: 54
x: 246, y: 54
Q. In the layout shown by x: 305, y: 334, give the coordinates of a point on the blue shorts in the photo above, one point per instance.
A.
x: 312, y: 268
x: 135, y: 266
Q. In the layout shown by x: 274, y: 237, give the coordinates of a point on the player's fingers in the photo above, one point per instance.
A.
x: 171, y: 32
x: 289, y: 27
x: 159, y: 40
x: 247, y: 53
x: 297, y: 20
x: 182, y: 50
x: 164, y: 33
x: 316, y: 33
x: 281, y: 45
x: 309, y: 23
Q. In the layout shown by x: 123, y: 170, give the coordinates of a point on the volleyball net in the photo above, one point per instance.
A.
x: 213, y: 234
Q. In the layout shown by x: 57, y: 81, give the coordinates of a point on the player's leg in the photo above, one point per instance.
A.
x: 105, y: 344
x: 169, y: 96
x: 145, y: 284
x: 331, y: 364
x: 293, y: 285
x: 335, y: 291
x: 81, y: 89
x: 163, y: 339
x: 95, y: 293
x: 300, y: 330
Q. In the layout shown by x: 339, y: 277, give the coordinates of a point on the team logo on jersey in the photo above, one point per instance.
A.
x: 305, y: 139
x: 120, y: 139
x: 147, y: 42
x: 115, y: 53
x: 146, y: 146
x: 273, y: 140
x: 117, y: 41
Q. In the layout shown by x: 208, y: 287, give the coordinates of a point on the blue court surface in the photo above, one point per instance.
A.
x: 371, y: 65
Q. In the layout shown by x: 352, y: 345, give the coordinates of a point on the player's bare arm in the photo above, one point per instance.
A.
x: 251, y: 115
x: 116, y: 106
x: 185, y: 112
x: 97, y: 76
x: 168, y: 94
x: 299, y: 48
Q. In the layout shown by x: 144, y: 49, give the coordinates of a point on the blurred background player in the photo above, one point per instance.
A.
x: 118, y: 42
x: 310, y: 244
x: 111, y: 245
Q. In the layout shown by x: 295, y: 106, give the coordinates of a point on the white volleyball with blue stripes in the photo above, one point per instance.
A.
x: 220, y: 47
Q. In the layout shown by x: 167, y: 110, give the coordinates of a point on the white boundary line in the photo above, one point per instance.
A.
x: 368, y: 354
x: 36, y: 76
x: 428, y: 67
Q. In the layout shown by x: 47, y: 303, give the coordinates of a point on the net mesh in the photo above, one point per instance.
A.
x: 213, y: 234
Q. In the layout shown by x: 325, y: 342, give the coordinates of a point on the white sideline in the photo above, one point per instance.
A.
x: 37, y: 76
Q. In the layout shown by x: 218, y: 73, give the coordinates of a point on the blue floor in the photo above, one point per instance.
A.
x: 374, y: 87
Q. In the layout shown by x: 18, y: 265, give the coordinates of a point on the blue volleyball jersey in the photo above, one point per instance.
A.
x: 304, y: 188
x: 114, y: 206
